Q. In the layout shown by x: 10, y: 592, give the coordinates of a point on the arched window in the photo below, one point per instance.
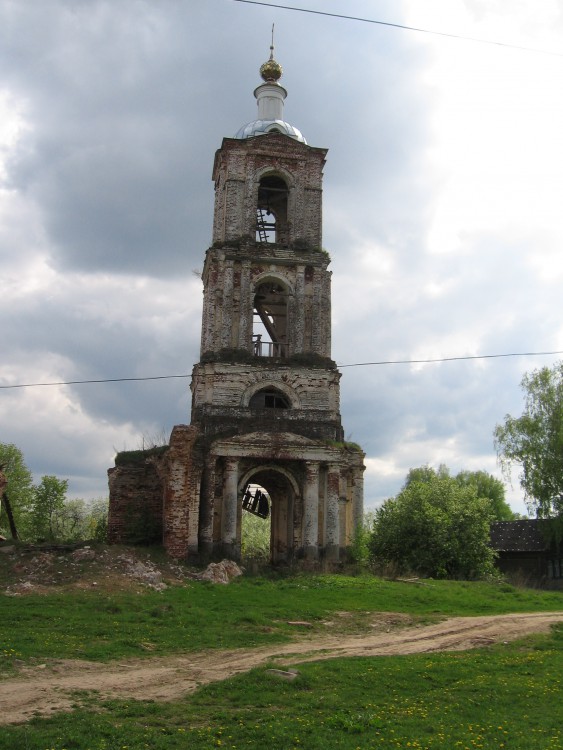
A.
x: 271, y: 211
x: 269, y: 398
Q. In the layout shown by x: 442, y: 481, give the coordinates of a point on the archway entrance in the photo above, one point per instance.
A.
x: 281, y: 489
x: 256, y: 524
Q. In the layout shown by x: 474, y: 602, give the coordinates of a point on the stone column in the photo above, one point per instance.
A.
x: 311, y: 511
x: 342, y: 507
x: 332, y: 516
x: 206, y: 510
x: 229, y: 511
x: 358, y: 498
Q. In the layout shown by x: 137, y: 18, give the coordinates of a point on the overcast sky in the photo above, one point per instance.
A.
x: 442, y: 213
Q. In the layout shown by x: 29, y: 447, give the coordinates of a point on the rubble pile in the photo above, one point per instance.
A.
x: 222, y: 572
x: 31, y: 570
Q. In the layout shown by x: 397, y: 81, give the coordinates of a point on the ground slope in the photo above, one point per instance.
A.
x: 48, y: 688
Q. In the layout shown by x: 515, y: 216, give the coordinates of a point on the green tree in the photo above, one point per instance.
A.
x: 534, y: 441
x: 19, y: 487
x: 426, y: 474
x: 486, y: 485
x: 48, y: 500
x: 97, y: 519
x: 360, y: 547
x: 436, y: 528
x: 491, y: 488
x: 82, y: 519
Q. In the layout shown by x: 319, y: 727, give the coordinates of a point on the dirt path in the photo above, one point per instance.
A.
x: 48, y: 688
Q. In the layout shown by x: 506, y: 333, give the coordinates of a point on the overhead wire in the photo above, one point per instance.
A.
x: 401, y: 26
x: 354, y: 364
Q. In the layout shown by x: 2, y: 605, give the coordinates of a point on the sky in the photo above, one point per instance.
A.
x: 442, y: 214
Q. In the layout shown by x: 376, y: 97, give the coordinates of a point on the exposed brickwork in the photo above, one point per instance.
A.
x: 263, y: 412
x: 135, y: 511
x: 181, y: 498
x: 231, y: 275
x: 240, y: 164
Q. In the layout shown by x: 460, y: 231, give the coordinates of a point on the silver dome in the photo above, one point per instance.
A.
x: 260, y: 127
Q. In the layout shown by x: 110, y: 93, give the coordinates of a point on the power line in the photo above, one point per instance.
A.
x: 101, y: 380
x: 354, y: 364
x: 404, y: 27
x: 448, y: 359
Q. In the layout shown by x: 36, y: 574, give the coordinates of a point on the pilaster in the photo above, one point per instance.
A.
x: 311, y: 511
x: 231, y: 548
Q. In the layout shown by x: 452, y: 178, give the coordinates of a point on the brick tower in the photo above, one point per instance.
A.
x: 265, y: 433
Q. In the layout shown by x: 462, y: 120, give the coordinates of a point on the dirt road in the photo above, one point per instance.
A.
x: 48, y: 688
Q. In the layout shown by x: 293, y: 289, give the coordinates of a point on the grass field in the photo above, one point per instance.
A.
x: 502, y: 696
x: 101, y: 626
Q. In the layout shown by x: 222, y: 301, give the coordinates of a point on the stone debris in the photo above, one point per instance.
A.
x: 221, y: 572
x: 84, y: 553
x: 146, y: 573
x: 17, y: 589
x: 29, y: 570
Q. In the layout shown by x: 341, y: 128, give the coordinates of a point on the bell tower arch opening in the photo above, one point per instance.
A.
x: 271, y: 210
x: 270, y: 319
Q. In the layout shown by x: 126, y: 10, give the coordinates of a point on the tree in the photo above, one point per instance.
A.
x: 436, y: 528
x: 486, y: 485
x: 48, y: 500
x: 82, y: 519
x: 426, y: 474
x: 19, y: 487
x: 534, y: 441
x: 489, y: 487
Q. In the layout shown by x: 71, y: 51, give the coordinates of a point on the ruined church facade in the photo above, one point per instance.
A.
x: 265, y: 435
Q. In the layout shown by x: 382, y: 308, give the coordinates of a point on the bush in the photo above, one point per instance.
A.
x: 437, y: 529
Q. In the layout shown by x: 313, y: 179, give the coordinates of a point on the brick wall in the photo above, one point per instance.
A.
x: 135, y: 508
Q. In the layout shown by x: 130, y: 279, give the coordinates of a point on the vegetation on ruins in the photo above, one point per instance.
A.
x: 140, y: 456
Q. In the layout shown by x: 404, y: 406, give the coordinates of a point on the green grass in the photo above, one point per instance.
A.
x: 505, y: 696
x: 248, y: 612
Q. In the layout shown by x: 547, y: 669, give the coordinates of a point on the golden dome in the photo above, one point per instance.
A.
x: 271, y: 70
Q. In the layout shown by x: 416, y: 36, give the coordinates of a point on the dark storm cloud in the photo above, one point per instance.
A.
x: 109, y: 182
x: 118, y: 153
x: 127, y: 104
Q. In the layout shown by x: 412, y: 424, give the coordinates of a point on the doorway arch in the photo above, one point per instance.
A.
x: 284, y: 492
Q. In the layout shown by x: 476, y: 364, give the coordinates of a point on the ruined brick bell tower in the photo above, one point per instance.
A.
x: 265, y: 434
